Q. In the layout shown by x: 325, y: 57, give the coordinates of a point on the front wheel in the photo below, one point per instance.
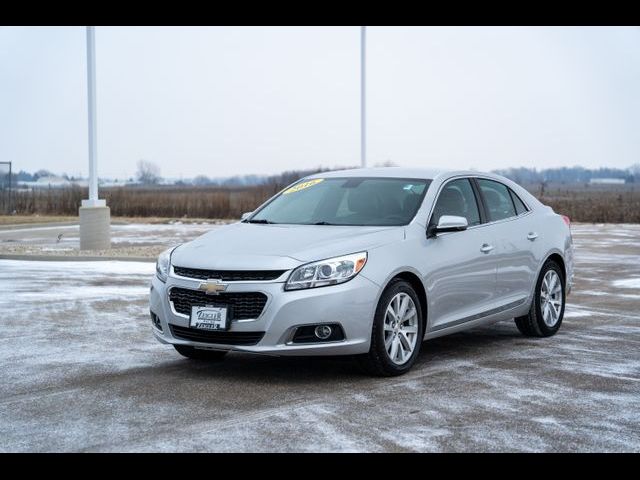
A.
x: 397, y: 331
x: 199, y: 354
x: 547, y: 309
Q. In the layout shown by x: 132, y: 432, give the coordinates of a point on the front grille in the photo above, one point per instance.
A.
x: 221, y: 337
x: 228, y: 275
x: 246, y: 305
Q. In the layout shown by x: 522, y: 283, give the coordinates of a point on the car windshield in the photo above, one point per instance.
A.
x: 346, y: 201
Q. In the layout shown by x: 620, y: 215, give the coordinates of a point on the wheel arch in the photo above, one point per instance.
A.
x: 556, y: 257
x: 412, y: 279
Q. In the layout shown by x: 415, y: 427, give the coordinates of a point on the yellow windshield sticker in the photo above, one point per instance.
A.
x: 302, y: 186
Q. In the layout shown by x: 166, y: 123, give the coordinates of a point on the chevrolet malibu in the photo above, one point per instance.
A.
x: 368, y: 263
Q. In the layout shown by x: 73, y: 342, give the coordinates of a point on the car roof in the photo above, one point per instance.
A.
x: 398, y: 172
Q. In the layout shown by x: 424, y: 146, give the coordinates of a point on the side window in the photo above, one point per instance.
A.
x: 520, y: 206
x: 497, y: 199
x: 457, y: 198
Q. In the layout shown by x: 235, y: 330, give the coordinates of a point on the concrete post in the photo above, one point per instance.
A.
x: 95, y: 228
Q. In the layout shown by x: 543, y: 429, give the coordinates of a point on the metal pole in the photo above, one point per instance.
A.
x: 91, y: 90
x: 10, y: 190
x: 363, y: 111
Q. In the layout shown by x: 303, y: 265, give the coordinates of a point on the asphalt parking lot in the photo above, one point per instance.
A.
x: 82, y: 372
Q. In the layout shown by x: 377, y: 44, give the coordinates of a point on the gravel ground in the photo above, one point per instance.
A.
x: 83, y: 373
x: 146, y: 239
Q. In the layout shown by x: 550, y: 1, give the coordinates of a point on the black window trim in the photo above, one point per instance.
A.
x: 482, y: 206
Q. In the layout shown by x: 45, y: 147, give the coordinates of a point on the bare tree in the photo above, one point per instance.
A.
x: 148, y: 173
x: 201, y: 180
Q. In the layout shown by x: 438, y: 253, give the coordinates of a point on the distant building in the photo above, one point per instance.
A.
x: 608, y: 181
x: 116, y: 182
x: 53, y: 182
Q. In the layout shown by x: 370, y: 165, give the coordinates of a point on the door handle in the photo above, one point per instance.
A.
x: 532, y: 236
x: 486, y: 248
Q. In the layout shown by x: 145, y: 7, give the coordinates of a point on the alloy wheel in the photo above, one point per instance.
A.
x: 400, y: 328
x: 551, y: 298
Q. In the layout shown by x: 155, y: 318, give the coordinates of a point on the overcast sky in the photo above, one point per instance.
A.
x: 224, y: 101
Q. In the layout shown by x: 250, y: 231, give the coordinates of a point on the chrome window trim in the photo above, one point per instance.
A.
x: 494, y: 222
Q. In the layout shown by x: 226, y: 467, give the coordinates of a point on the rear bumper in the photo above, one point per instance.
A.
x: 352, y: 305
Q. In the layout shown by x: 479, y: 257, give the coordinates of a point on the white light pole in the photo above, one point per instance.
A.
x: 94, y: 213
x: 93, y: 200
x: 363, y: 91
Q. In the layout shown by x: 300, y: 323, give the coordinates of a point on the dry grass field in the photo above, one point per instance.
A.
x: 581, y: 202
x: 158, y: 201
x: 592, y: 203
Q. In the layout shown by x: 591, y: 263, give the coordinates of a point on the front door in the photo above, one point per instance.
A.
x: 462, y: 282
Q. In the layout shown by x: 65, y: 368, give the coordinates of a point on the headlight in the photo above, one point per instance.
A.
x: 162, y: 265
x: 326, y: 272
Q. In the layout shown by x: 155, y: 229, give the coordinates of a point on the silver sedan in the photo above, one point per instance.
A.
x: 369, y: 263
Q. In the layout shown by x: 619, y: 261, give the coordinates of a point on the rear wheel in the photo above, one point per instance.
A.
x: 199, y: 354
x: 397, y: 331
x: 547, y: 309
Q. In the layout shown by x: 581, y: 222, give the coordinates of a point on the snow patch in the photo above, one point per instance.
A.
x: 627, y: 283
x: 12, y: 268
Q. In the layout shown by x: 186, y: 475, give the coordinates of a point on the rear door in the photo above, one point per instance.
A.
x: 512, y: 226
x: 462, y: 279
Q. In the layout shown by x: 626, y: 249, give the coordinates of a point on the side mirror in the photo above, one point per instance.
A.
x: 448, y: 223
x: 245, y: 215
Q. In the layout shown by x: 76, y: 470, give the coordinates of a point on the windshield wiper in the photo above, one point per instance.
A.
x: 259, y: 221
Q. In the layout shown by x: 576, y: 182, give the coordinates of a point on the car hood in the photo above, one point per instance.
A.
x: 246, y: 246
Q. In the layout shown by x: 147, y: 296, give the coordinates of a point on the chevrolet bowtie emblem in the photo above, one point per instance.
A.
x: 212, y: 287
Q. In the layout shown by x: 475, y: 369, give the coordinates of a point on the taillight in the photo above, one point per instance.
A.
x: 567, y: 220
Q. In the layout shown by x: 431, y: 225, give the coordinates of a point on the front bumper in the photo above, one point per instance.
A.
x: 351, y: 304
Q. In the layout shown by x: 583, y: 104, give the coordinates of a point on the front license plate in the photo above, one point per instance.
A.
x: 209, y: 318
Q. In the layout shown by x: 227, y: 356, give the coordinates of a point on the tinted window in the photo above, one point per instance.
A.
x: 520, y: 206
x: 347, y: 201
x: 457, y: 198
x: 497, y: 199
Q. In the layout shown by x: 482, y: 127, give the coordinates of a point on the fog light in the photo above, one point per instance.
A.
x: 323, y: 332
x: 331, y: 332
x: 156, y: 321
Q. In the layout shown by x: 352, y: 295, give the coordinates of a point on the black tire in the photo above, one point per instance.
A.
x: 532, y: 324
x: 199, y: 354
x: 376, y: 361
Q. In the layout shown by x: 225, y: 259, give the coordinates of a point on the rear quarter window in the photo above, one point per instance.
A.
x: 519, y: 204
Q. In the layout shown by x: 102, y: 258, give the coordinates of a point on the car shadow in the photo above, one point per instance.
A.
x: 260, y: 376
x: 249, y: 367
